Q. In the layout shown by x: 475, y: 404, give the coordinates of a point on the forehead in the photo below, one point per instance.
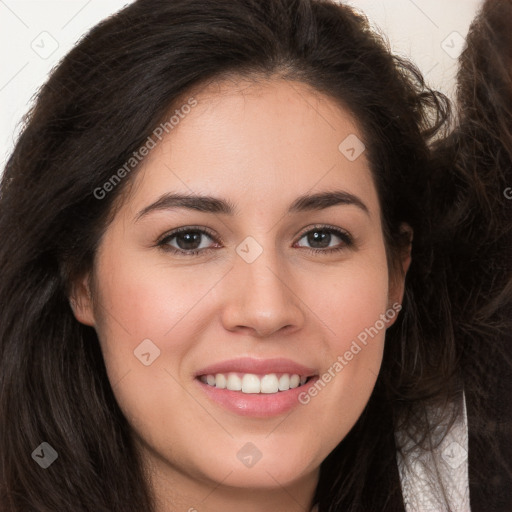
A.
x: 271, y: 140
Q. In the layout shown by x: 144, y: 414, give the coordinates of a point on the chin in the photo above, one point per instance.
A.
x: 262, y: 464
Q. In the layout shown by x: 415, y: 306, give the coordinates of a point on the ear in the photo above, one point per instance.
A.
x: 81, y: 301
x: 397, y: 281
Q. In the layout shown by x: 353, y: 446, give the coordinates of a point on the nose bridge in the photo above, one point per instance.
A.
x: 260, y: 296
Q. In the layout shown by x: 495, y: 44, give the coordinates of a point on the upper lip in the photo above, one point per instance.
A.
x: 257, y: 366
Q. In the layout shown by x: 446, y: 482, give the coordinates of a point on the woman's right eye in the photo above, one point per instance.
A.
x: 188, y: 241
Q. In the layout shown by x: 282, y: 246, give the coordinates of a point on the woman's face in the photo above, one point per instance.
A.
x: 287, y: 285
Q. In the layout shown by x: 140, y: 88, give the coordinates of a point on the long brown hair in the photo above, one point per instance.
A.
x: 473, y: 205
x: 98, y: 107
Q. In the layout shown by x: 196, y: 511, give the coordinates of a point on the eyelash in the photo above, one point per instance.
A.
x: 164, y: 241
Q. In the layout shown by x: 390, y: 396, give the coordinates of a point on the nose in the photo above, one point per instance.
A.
x: 260, y: 298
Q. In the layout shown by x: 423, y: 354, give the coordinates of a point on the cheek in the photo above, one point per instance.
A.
x: 348, y: 300
x: 355, y: 301
x: 144, y: 325
x: 147, y: 327
x: 350, y: 305
x: 148, y: 299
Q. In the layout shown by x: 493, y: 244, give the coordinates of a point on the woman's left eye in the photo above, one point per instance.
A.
x: 322, y: 237
x: 189, y: 241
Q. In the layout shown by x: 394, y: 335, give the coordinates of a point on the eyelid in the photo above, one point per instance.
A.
x: 327, y: 227
x: 177, y: 231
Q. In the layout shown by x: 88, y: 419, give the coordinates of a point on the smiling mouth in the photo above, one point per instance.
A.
x: 251, y: 383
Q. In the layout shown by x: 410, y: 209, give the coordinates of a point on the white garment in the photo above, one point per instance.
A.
x: 451, y: 459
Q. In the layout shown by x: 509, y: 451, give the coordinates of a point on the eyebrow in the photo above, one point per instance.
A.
x: 210, y: 204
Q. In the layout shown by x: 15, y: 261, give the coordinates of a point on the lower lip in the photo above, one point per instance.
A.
x: 260, y: 405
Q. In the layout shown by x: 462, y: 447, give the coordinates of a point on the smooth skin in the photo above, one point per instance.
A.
x: 259, y: 145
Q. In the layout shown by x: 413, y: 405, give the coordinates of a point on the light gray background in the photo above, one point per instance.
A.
x: 36, y: 34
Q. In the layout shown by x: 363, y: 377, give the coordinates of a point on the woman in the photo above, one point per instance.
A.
x: 229, y: 287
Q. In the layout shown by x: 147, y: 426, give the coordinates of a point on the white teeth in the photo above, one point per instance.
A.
x: 220, y: 381
x: 284, y: 382
x: 269, y: 384
x: 234, y: 382
x: 294, y: 381
x: 250, y: 383
x: 253, y: 384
